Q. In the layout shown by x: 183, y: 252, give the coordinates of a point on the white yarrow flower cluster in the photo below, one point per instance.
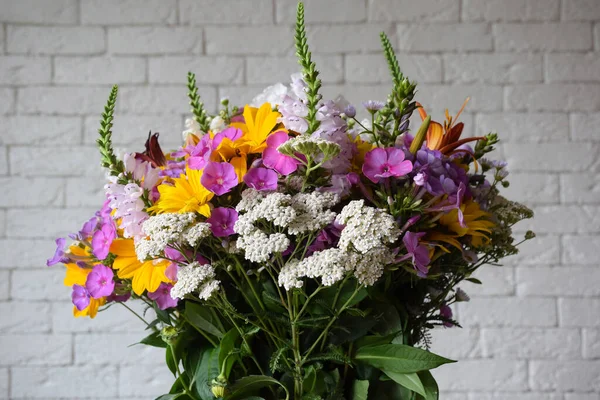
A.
x: 369, y: 267
x: 161, y: 230
x: 366, y: 227
x: 196, y: 233
x: 258, y: 246
x: 195, y: 277
x: 312, y: 211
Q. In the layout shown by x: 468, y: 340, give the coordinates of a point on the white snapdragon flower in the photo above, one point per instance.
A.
x: 194, y: 277
x: 217, y: 124
x: 191, y: 127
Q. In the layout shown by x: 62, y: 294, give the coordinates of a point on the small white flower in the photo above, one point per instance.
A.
x: 259, y: 246
x: 196, y: 233
x: 161, y: 230
x: 217, y: 124
x: 190, y: 278
x: 191, y: 127
x: 273, y: 94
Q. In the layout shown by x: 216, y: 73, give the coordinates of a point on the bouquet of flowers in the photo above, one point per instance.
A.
x: 292, y: 251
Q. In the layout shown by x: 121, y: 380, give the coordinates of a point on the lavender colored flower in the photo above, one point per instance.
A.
x: 162, y: 296
x: 373, y: 105
x: 80, y: 297
x: 222, y: 220
x: 384, y: 163
x: 59, y: 254
x: 272, y: 158
x: 437, y: 174
x: 219, y: 178
x: 100, y: 281
x: 350, y: 111
x: 418, y: 254
x: 199, y: 154
x: 446, y: 312
x: 261, y: 179
x: 102, y: 239
x: 87, y: 230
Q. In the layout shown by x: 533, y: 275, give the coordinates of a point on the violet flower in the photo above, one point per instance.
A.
x: 100, y: 281
x: 59, y: 254
x: 261, y: 179
x: 102, y: 239
x: 418, y: 254
x: 80, y: 297
x: 446, y: 312
x: 162, y: 296
x: 219, y: 178
x: 222, y: 220
x: 384, y: 163
x: 272, y: 158
x: 200, y: 153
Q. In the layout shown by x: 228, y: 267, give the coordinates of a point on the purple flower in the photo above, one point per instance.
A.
x: 200, y: 153
x: 373, y: 106
x: 162, y: 296
x: 222, y: 220
x: 80, y: 297
x: 261, y: 179
x: 437, y: 174
x: 59, y: 253
x: 350, y: 111
x: 418, y: 254
x: 383, y: 163
x: 230, y: 133
x: 100, y: 282
x: 219, y: 178
x: 272, y: 158
x: 102, y: 239
x: 446, y: 312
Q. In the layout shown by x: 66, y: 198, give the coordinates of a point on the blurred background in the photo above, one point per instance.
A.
x: 531, y: 67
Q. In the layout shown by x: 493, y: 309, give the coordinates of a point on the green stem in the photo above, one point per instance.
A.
x: 134, y: 313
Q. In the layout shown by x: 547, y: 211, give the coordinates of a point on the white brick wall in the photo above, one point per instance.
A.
x: 532, y: 68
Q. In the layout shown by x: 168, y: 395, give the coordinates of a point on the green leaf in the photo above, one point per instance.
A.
x: 170, y: 396
x: 399, y: 358
x: 171, y: 363
x: 196, y: 102
x: 206, y: 371
x: 227, y: 345
x: 108, y: 158
x: 248, y: 384
x: 409, y: 381
x: 432, y: 391
x: 373, y: 340
x: 162, y: 315
x: 474, y: 280
x: 360, y: 390
x: 310, y: 379
x: 201, y: 318
x: 154, y: 339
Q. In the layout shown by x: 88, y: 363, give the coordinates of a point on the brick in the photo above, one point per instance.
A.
x: 553, y: 97
x: 55, y: 40
x: 162, y: 99
x: 532, y: 188
x: 17, y: 70
x: 572, y: 67
x: 510, y: 10
x: 564, y: 219
x: 109, y: 348
x: 83, y: 193
x: 38, y: 382
x: 508, y: 312
x: 99, y: 70
x: 208, y: 70
x: 41, y: 130
x: 7, y: 100
x: 39, y: 284
x: 597, y: 37
x: 3, y: 223
x: 547, y: 343
x: 316, y: 11
x: 534, y: 157
x: 524, y: 127
x: 582, y: 312
x: 563, y: 36
x: 585, y: 126
x: 513, y: 396
x: 25, y: 223
x: 249, y: 40
x: 35, y: 350
x: 25, y: 253
x: 370, y: 68
x: 67, y: 161
x: 4, y: 285
x: 506, y: 375
x: 144, y: 380
x: 347, y: 38
x: 268, y: 69
x: 211, y: 12
x: 39, y: 11
x: 133, y: 12
x: 444, y: 37
x: 582, y: 396
x: 497, y: 281
x: 580, y: 10
x: 407, y: 11
x: 154, y: 40
x: 54, y: 100
x: 131, y: 131
x: 557, y: 281
x: 456, y: 343
x: 591, y: 343
x: 492, y: 68
x: 240, y: 94
x: 32, y: 192
x: 3, y: 160
x: 565, y: 375
x: 582, y: 250
x: 436, y: 98
x: 24, y: 317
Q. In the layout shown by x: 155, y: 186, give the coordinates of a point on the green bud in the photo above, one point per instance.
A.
x: 420, y: 136
x: 529, y: 235
x: 169, y: 335
x: 218, y: 386
x: 225, y: 101
x: 330, y: 150
x: 505, y: 184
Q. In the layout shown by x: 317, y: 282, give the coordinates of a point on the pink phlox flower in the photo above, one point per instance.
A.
x: 230, y: 133
x: 261, y: 179
x: 162, y: 296
x: 141, y: 171
x: 80, y: 297
x: 100, y: 281
x: 219, y: 178
x: 418, y: 254
x: 384, y: 163
x: 103, y: 238
x: 199, y: 155
x: 59, y: 254
x: 222, y: 220
x: 272, y: 158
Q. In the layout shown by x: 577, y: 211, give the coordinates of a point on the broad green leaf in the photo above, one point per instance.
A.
x: 202, y: 319
x: 373, y: 340
x: 409, y: 381
x: 162, y: 315
x: 360, y: 390
x: 310, y: 379
x: 227, y: 345
x: 389, y: 321
x: 171, y: 363
x: 431, y: 388
x: 248, y: 384
x: 206, y: 371
x: 170, y: 396
x: 154, y: 340
x: 399, y: 358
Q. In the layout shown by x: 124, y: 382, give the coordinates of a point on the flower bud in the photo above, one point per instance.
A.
x: 218, y: 386
x: 420, y: 136
x: 169, y: 335
x: 350, y: 111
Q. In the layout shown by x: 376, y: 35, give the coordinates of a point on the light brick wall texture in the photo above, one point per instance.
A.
x: 532, y: 68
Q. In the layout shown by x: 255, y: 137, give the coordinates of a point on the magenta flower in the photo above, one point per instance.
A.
x: 418, y: 254
x: 219, y: 178
x: 102, y: 239
x: 261, y: 179
x: 222, y: 220
x: 272, y: 158
x: 80, y: 297
x: 162, y: 296
x: 100, y: 282
x: 200, y: 153
x: 383, y: 163
x: 59, y: 253
x: 446, y: 312
x: 230, y: 133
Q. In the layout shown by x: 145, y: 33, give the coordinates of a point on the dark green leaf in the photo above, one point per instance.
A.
x: 310, y: 379
x: 360, y: 390
x: 431, y: 388
x: 409, y: 381
x: 228, y: 345
x: 249, y: 384
x: 474, y: 280
x: 202, y: 319
x: 170, y: 396
x: 162, y: 315
x: 373, y: 340
x: 154, y: 340
x: 207, y: 370
x: 171, y: 363
x: 399, y: 358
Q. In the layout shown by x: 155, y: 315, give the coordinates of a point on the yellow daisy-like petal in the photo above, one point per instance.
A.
x: 75, y: 275
x: 258, y: 124
x: 186, y: 195
x: 91, y: 310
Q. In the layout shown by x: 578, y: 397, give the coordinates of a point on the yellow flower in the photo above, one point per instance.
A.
x: 77, y: 276
x: 147, y: 275
x: 186, y: 195
x: 476, y: 224
x: 362, y: 148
